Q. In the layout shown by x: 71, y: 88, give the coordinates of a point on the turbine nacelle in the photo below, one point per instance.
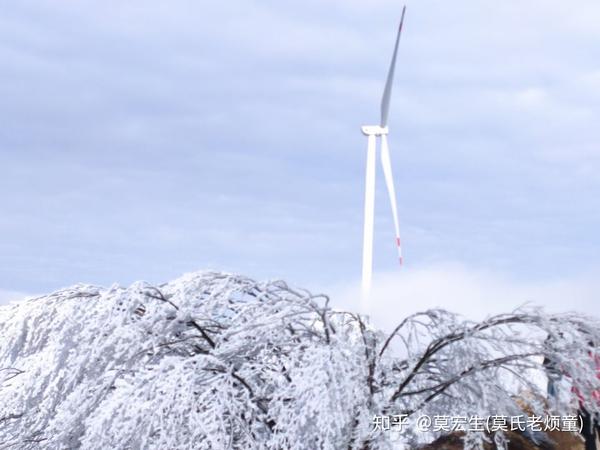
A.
x: 374, y: 130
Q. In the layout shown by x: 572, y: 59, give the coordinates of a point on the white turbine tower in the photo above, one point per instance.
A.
x: 373, y: 132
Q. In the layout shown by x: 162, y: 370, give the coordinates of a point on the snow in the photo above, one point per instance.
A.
x: 216, y: 361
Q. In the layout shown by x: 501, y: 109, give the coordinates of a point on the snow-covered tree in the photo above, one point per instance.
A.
x: 218, y: 361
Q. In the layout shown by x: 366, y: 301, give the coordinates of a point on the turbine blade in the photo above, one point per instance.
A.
x: 389, y: 181
x: 387, y: 92
x: 367, y: 263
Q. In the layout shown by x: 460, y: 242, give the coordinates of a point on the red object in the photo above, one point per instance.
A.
x: 596, y: 392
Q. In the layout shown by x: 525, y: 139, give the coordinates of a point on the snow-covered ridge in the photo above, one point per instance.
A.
x: 219, y: 361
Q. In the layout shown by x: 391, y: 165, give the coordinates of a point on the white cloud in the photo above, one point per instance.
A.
x: 474, y: 293
x: 170, y: 134
x: 10, y: 296
x: 531, y: 98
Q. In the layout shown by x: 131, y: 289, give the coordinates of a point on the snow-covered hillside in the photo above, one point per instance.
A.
x: 218, y: 361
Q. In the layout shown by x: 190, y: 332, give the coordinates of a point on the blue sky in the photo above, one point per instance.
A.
x: 144, y: 139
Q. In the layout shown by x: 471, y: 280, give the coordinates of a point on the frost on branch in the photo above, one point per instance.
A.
x: 217, y: 361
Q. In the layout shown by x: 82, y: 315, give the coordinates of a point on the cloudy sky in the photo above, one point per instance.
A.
x: 144, y: 139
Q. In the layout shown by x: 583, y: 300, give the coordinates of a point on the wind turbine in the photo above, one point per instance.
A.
x: 373, y: 132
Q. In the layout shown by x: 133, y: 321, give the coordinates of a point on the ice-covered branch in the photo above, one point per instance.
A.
x: 214, y: 361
